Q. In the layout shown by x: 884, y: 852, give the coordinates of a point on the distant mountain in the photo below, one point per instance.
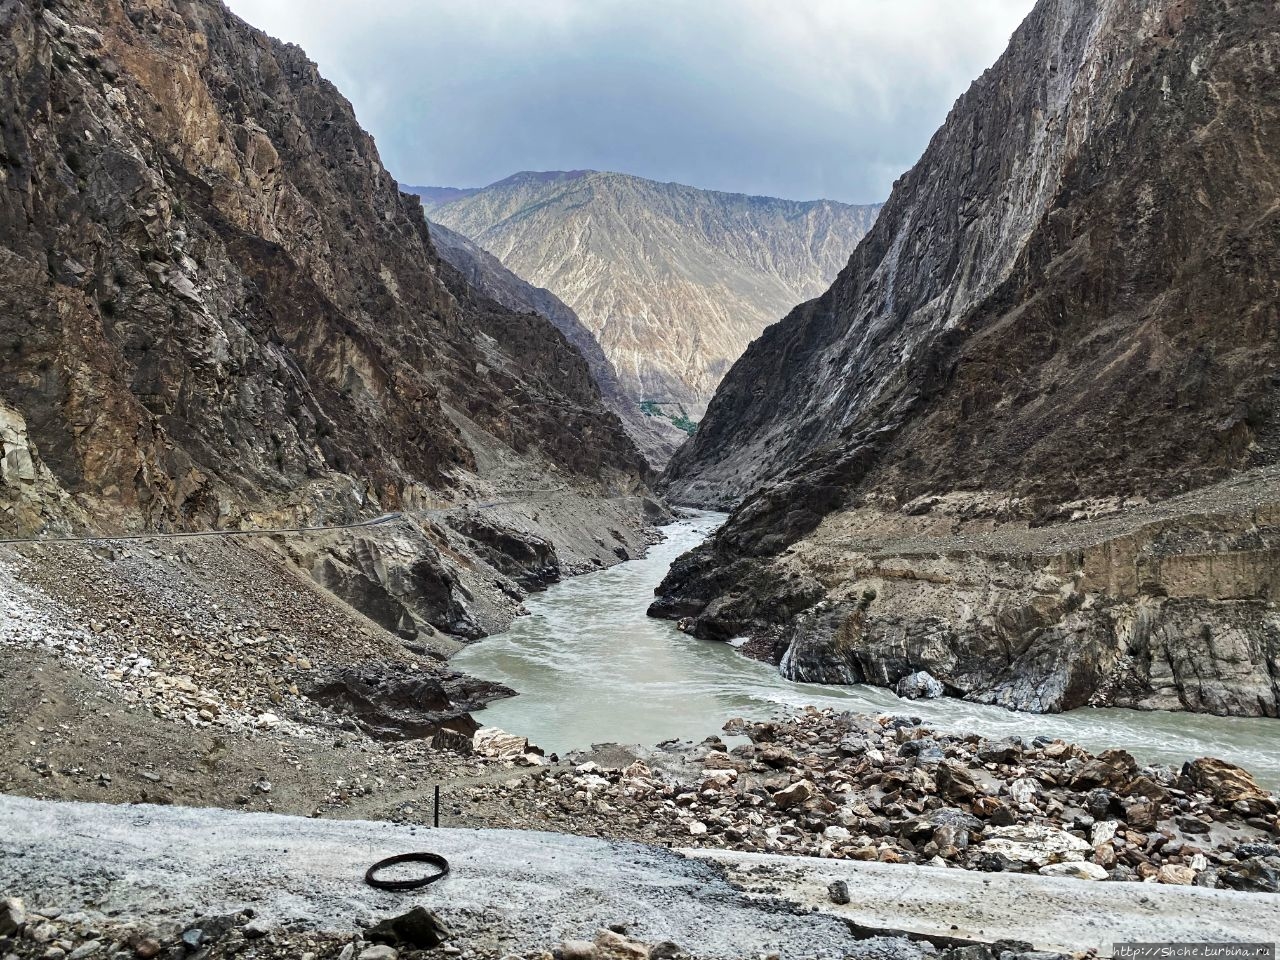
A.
x: 656, y: 436
x: 673, y: 281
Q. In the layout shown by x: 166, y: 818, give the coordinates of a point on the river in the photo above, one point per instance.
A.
x: 591, y: 667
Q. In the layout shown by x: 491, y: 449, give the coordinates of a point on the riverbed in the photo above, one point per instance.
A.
x: 591, y: 667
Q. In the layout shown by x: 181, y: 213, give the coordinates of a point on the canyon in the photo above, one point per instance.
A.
x: 279, y: 455
x: 218, y: 311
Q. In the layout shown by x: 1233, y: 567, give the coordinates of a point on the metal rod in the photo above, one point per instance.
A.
x: 437, y: 817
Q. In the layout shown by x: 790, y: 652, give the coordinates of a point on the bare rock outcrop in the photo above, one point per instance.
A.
x: 656, y: 436
x: 216, y: 306
x: 1042, y: 330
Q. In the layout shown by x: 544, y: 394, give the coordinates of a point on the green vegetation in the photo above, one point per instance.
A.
x: 653, y: 408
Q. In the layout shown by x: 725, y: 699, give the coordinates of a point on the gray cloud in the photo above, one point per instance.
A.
x: 801, y: 99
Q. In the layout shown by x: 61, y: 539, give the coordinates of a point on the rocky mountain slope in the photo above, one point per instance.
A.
x: 673, y: 281
x: 217, y: 302
x: 217, y: 310
x: 656, y: 437
x: 1066, y: 310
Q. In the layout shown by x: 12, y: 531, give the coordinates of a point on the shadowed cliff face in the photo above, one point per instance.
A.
x: 1080, y: 270
x: 215, y: 302
x: 673, y: 281
x: 1070, y: 299
x: 656, y: 437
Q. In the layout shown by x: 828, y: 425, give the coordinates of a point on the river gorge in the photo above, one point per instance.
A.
x: 591, y: 667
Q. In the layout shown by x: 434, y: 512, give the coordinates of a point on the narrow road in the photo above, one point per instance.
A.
x: 386, y: 518
x: 376, y: 521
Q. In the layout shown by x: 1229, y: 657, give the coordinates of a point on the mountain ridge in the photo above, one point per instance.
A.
x: 674, y: 281
x: 485, y: 272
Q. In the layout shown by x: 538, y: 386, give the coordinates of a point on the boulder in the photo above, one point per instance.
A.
x: 610, y: 945
x: 920, y: 685
x: 1078, y: 869
x: 796, y: 794
x: 393, y: 702
x: 954, y: 782
x: 497, y: 743
x: 12, y: 916
x: 1176, y: 874
x: 993, y: 809
x: 1142, y: 814
x: 1227, y: 784
x: 1034, y: 844
x: 1023, y: 790
x: 1112, y: 769
x: 1103, y: 832
x: 949, y: 817
x: 419, y: 929
x: 838, y: 891
x: 1002, y: 751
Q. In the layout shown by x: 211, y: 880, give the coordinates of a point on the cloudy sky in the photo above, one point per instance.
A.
x: 789, y: 98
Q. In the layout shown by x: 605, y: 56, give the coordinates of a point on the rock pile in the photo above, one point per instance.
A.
x: 221, y: 635
x: 888, y: 789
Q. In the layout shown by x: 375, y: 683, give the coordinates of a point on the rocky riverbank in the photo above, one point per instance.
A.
x: 835, y: 785
x: 1109, y: 602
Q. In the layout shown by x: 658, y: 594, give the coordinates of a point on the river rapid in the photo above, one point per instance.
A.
x: 591, y: 667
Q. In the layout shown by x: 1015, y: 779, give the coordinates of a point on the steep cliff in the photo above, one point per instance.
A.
x: 656, y: 437
x: 1066, y: 309
x: 673, y: 281
x: 215, y: 304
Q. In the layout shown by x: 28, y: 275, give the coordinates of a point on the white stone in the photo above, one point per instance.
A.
x: 1023, y: 790
x: 1079, y: 869
x: 1103, y: 832
x: 1037, y: 845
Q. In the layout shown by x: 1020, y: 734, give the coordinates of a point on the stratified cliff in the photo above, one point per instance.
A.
x: 215, y: 303
x: 673, y: 281
x: 1067, y: 308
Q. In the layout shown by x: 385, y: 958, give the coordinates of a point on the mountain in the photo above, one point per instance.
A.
x: 673, y: 281
x: 656, y: 437
x: 1027, y: 439
x: 217, y: 310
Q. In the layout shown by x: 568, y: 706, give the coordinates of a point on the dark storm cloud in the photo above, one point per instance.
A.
x: 791, y: 98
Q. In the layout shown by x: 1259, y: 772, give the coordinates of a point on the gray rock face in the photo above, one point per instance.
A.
x: 656, y: 437
x: 530, y: 561
x: 405, y: 587
x: 217, y: 308
x: 992, y: 416
x: 673, y: 281
x: 389, y: 701
x: 920, y: 685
